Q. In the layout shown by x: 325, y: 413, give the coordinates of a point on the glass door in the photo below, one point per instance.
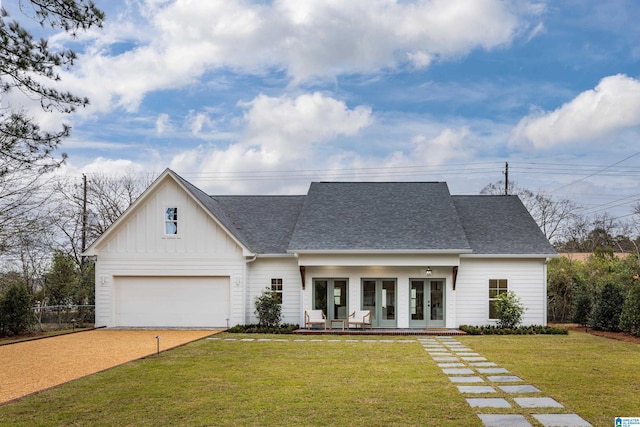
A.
x: 379, y: 296
x: 436, y: 304
x: 418, y: 303
x: 330, y: 296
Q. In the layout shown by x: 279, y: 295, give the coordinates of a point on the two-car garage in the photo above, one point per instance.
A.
x: 189, y: 302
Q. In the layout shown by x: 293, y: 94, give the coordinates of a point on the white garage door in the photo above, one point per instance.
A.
x: 172, y: 301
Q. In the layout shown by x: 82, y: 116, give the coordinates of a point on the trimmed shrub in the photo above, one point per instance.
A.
x: 607, y: 308
x: 285, y: 328
x: 509, y: 310
x: 630, y: 316
x: 522, y: 330
x: 268, y: 309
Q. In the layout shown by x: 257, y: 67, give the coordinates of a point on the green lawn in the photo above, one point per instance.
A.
x: 258, y: 383
x: 598, y: 378
x: 216, y: 382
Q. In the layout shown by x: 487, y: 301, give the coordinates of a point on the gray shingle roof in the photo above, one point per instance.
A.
x: 500, y: 225
x: 265, y: 222
x: 378, y: 216
x: 390, y: 216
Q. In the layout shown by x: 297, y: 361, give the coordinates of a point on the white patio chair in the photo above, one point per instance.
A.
x: 314, y: 317
x: 360, y: 318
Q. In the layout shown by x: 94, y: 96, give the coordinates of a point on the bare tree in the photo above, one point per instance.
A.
x: 107, y: 197
x: 552, y: 216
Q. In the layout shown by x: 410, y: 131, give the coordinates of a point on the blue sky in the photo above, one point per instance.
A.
x: 259, y: 97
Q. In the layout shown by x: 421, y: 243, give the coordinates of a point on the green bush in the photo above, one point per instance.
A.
x: 522, y: 330
x: 268, y: 309
x: 582, y: 306
x: 509, y: 310
x: 16, y: 311
x: 630, y: 315
x: 607, y: 307
x: 285, y: 328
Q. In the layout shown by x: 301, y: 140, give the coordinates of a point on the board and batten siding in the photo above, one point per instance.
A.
x: 261, y: 271
x: 526, y: 277
x: 138, y: 247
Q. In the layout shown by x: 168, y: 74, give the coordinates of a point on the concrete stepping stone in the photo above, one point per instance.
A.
x: 499, y: 420
x: 561, y: 420
x: 483, y: 364
x: 457, y: 371
x: 537, y: 402
x: 450, y: 365
x: 503, y: 379
x: 488, y: 402
x: 466, y: 379
x: 445, y: 359
x: 492, y: 370
x: 438, y: 353
x: 519, y: 389
x: 476, y: 389
x: 464, y: 352
x: 474, y: 359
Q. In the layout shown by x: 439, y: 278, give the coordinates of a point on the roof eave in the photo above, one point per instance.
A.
x: 379, y: 251
x: 520, y: 256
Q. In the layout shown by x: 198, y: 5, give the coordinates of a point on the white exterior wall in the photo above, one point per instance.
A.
x: 526, y: 277
x: 138, y: 247
x: 261, y: 271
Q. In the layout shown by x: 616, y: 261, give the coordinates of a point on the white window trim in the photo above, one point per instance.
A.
x: 164, y: 222
x: 493, y: 299
x: 281, y: 291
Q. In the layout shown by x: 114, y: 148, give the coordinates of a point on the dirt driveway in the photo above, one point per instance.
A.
x: 37, y: 365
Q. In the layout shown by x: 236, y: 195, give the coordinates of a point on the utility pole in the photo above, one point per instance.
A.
x: 84, y: 213
x: 506, y: 178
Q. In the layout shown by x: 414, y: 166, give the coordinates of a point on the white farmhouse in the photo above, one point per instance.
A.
x: 410, y: 252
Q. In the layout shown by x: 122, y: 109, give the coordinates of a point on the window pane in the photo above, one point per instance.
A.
x: 320, y: 295
x: 170, y: 228
x: 171, y: 214
x: 492, y: 310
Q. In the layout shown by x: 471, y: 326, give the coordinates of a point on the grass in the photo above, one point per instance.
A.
x: 217, y: 382
x: 258, y: 383
x: 595, y: 377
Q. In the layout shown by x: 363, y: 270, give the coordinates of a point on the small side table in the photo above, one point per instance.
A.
x: 340, y: 321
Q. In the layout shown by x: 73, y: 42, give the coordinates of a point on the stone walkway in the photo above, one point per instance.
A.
x: 486, y: 385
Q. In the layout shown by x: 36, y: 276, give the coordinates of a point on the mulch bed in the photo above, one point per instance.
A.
x: 620, y: 336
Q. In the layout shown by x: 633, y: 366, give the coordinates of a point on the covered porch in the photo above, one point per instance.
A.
x: 381, y: 331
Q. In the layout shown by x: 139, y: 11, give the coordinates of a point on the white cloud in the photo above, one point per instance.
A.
x: 308, y: 39
x: 115, y: 167
x: 612, y: 106
x: 279, y: 134
x: 287, y: 126
x: 163, y: 124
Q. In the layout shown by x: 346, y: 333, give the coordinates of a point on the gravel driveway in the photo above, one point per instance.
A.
x: 37, y: 365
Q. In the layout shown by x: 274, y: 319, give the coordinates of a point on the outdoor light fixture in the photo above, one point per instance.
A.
x: 428, y: 271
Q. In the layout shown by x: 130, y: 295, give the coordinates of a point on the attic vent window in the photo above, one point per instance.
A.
x: 171, y: 221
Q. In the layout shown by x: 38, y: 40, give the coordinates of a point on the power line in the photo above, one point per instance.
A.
x: 595, y: 173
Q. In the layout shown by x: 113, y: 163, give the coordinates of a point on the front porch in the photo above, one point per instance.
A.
x: 381, y: 331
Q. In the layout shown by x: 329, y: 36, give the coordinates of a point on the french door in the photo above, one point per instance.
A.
x: 379, y: 296
x: 426, y: 303
x: 330, y: 296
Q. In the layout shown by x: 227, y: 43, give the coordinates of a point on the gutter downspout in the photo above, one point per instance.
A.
x: 245, y: 286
